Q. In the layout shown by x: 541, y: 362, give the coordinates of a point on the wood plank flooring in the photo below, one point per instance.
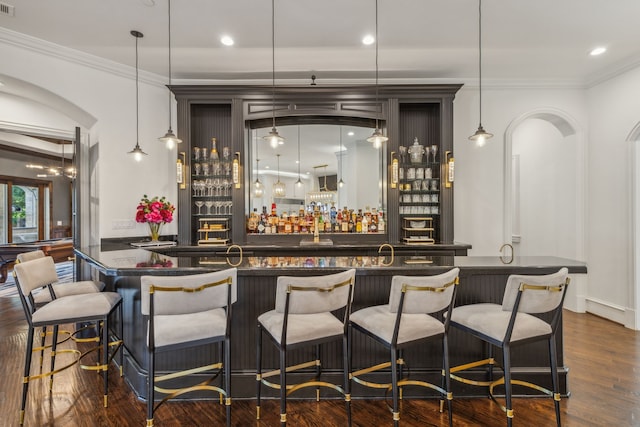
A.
x: 603, y: 357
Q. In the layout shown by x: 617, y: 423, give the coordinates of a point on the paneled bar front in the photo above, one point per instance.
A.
x: 482, y: 279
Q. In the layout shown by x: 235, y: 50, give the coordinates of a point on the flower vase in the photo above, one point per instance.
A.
x: 154, y: 230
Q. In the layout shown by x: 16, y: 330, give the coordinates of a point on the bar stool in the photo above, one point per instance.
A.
x: 188, y: 312
x: 407, y: 320
x: 512, y: 324
x: 60, y: 289
x: 91, y: 307
x: 304, y: 316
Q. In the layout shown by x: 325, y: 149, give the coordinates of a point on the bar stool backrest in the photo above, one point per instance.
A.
x: 539, y: 300
x: 423, y: 302
x: 30, y: 256
x: 322, y: 301
x: 184, y: 301
x: 35, y: 274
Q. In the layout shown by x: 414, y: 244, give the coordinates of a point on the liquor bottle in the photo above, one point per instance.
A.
x: 352, y: 222
x: 364, y: 224
x: 214, y: 151
x: 381, y: 224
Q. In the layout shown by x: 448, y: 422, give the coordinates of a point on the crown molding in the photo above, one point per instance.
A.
x: 56, y: 51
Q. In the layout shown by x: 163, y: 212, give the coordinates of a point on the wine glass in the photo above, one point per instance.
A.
x: 434, y: 150
x: 225, y: 186
x: 199, y: 204
x: 208, y: 204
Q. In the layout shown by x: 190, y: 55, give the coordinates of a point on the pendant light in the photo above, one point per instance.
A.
x: 299, y: 181
x: 258, y: 188
x: 273, y: 137
x: 170, y: 139
x: 341, y: 182
x: 481, y: 135
x: 279, y: 188
x: 137, y: 151
x: 377, y: 138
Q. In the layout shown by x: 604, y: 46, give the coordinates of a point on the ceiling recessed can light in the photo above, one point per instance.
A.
x: 226, y: 40
x: 598, y: 51
x: 351, y: 133
x: 368, y: 39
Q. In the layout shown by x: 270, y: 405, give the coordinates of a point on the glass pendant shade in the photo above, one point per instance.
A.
x: 258, y: 188
x: 170, y: 139
x: 274, y: 138
x: 377, y: 138
x: 137, y: 153
x: 279, y: 189
x: 481, y: 136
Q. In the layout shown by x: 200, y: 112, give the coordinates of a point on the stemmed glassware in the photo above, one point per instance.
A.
x: 434, y: 151
x: 208, y: 204
x: 199, y: 205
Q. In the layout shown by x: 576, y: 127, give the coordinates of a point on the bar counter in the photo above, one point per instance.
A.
x: 482, y: 279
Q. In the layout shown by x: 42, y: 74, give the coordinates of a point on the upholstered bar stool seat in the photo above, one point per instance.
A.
x: 408, y: 320
x: 60, y: 289
x: 95, y: 307
x: 513, y: 323
x: 305, y: 315
x: 189, y: 312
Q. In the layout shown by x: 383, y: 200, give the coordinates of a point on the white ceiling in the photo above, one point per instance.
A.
x: 523, y: 41
x: 533, y: 42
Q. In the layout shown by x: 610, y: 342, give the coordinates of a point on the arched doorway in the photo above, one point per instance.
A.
x: 544, y: 189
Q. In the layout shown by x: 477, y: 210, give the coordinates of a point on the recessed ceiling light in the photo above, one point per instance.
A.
x: 368, y: 39
x: 226, y: 40
x: 598, y: 51
x: 350, y: 133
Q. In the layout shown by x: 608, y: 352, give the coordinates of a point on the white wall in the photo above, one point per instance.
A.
x: 108, y: 93
x: 614, y: 111
x: 478, y: 197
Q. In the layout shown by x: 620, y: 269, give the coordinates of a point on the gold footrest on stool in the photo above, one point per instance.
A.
x: 402, y: 382
x: 495, y: 383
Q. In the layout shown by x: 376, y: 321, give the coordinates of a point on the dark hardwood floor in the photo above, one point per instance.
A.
x: 603, y: 357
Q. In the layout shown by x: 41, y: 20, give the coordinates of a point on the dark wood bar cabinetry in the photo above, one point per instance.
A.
x: 482, y: 279
x: 407, y: 112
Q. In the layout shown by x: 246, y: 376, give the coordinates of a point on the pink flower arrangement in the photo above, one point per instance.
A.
x: 155, y: 210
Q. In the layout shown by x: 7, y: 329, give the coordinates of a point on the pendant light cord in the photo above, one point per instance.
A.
x: 273, y: 62
x: 137, y: 107
x: 377, y: 100
x: 480, y: 56
x: 298, y: 153
x: 169, y: 14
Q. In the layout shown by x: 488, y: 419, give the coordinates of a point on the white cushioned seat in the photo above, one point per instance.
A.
x: 301, y: 327
x: 492, y: 320
x: 77, y: 307
x: 380, y: 321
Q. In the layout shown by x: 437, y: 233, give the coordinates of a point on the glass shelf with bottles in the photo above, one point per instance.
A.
x: 213, y: 231
x: 326, y: 219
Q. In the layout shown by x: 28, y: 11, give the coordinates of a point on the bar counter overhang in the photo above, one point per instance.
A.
x: 482, y: 279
